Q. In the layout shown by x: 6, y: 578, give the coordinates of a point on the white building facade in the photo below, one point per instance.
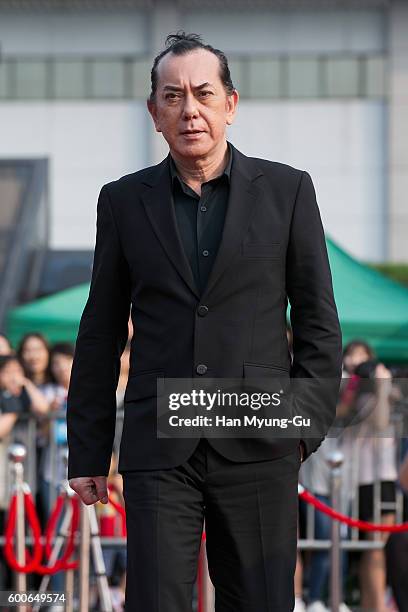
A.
x: 323, y: 86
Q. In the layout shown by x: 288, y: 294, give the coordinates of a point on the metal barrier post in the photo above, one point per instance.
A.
x: 17, y: 454
x: 99, y: 564
x: 52, y: 486
x: 69, y: 589
x: 335, y: 461
x: 69, y: 574
x: 90, y: 537
x: 84, y: 551
x: 58, y: 544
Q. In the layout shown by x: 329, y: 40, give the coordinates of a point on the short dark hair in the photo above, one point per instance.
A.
x: 358, y: 343
x: 6, y: 359
x: 181, y: 43
x: 62, y: 348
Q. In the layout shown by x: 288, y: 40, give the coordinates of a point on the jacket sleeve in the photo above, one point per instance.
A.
x: 102, y: 336
x: 317, y: 341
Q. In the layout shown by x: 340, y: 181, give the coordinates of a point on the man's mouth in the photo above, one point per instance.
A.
x: 192, y: 132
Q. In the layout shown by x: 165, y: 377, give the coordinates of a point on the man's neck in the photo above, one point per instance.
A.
x: 196, y: 172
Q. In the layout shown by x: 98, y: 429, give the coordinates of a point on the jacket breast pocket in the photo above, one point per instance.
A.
x: 256, y: 250
x: 141, y: 385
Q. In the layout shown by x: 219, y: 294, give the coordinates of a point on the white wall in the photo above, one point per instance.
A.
x: 283, y: 31
x: 341, y: 145
x: 70, y: 33
x: 87, y: 144
x: 398, y: 132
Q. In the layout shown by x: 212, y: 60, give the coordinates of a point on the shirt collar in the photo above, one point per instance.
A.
x: 227, y: 170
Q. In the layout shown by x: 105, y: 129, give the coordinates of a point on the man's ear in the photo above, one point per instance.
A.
x: 153, y: 111
x: 232, y: 102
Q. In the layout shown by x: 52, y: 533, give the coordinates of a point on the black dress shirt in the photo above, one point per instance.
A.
x: 200, y: 219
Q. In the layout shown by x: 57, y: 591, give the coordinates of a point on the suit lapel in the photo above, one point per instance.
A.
x: 243, y: 198
x: 160, y: 210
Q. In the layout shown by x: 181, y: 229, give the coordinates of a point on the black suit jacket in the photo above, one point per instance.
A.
x: 272, y: 250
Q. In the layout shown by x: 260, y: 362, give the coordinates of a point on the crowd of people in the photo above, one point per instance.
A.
x: 370, y: 432
x: 34, y: 381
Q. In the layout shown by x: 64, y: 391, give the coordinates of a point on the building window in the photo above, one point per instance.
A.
x: 69, y: 79
x: 264, y: 78
x: 268, y: 77
x: 343, y: 77
x: 303, y: 78
x: 30, y: 79
x: 376, y: 77
x: 107, y: 79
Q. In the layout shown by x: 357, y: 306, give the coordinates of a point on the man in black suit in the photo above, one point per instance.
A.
x: 207, y: 247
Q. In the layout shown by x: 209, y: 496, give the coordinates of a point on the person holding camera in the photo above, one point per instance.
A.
x: 369, y: 445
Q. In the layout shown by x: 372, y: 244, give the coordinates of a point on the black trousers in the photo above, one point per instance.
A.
x: 251, y: 514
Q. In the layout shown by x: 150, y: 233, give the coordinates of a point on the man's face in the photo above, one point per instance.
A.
x: 191, y: 96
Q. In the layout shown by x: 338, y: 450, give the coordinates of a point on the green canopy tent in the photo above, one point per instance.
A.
x: 56, y: 316
x: 370, y: 306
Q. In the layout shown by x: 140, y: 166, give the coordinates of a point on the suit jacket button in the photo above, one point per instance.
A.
x: 201, y: 369
x: 202, y: 310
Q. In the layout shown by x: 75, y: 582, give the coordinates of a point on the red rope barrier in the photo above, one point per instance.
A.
x: 33, y: 563
x: 338, y: 516
x: 61, y: 563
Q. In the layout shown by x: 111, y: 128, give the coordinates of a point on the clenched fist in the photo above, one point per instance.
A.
x: 90, y: 489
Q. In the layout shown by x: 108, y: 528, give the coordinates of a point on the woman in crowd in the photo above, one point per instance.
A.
x: 369, y: 445
x: 34, y: 353
x: 18, y: 396
x: 53, y: 468
x: 15, y: 382
x: 51, y: 475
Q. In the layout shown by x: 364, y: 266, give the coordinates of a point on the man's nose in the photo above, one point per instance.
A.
x: 190, y: 106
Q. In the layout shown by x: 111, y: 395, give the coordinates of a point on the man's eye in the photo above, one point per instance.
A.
x: 172, y: 95
x: 204, y: 93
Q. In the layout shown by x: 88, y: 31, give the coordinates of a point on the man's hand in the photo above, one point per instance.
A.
x: 91, y: 489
